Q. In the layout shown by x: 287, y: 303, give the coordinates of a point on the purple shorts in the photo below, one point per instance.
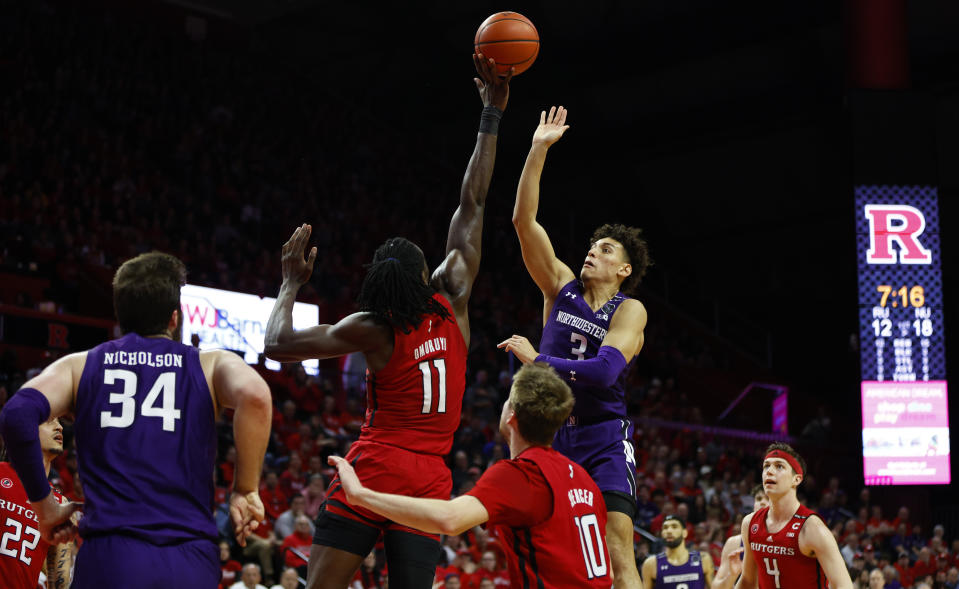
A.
x: 126, y: 561
x: 605, y: 451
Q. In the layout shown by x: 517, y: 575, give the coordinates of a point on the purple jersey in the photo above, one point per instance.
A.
x: 146, y: 441
x: 576, y: 332
x: 680, y: 576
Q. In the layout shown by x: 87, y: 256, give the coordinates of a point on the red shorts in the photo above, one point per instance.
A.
x: 389, y: 469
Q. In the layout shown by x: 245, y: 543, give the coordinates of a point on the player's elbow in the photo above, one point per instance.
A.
x: 280, y: 352
x: 254, y: 399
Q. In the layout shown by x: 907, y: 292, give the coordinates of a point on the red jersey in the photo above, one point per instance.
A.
x: 414, y: 402
x: 22, y: 550
x: 779, y: 562
x: 564, y: 548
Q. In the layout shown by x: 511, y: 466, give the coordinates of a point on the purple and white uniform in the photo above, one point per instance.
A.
x: 598, y: 435
x: 689, y: 575
x: 146, y: 448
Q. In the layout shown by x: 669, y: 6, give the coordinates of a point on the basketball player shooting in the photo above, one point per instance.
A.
x: 592, y: 333
x: 788, y: 544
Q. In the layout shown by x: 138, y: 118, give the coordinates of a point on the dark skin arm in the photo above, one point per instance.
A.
x: 455, y: 275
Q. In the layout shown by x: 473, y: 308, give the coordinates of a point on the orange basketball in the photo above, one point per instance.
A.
x: 511, y: 39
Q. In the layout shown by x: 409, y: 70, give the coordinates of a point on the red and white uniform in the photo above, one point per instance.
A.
x: 414, y: 402
x: 779, y: 562
x: 413, y: 410
x: 22, y: 550
x: 551, y: 518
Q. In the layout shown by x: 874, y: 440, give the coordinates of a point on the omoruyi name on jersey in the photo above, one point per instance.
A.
x: 770, y: 549
x: 143, y: 359
x: 430, y: 346
x: 580, y: 324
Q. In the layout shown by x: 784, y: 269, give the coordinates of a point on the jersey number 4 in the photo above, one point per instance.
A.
x: 773, y: 570
x: 591, y: 542
x: 164, y: 386
x: 18, y: 533
x: 440, y: 365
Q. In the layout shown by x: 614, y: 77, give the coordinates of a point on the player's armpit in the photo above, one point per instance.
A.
x: 626, y: 330
x: 355, y: 333
x: 816, y: 539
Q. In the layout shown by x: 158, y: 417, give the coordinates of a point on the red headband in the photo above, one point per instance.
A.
x: 792, y: 461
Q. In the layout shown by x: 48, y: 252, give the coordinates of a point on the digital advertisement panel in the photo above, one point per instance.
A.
x: 905, y: 422
x: 230, y: 320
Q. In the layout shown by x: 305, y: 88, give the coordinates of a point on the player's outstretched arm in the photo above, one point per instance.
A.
x: 356, y: 333
x: 547, y: 271
x: 436, y: 516
x: 623, y: 341
x: 748, y: 579
x: 731, y: 564
x: 49, y: 394
x: 237, y: 386
x: 455, y: 275
x: 648, y: 572
x: 815, y: 538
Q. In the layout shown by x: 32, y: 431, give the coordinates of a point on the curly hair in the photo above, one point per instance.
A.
x: 393, y: 288
x: 636, y: 248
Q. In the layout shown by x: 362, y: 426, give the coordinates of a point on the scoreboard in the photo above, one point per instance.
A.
x: 905, y: 421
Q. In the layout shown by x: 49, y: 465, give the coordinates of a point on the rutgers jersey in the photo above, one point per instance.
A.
x: 146, y: 441
x: 414, y: 402
x: 573, y: 331
x: 568, y: 549
x: 22, y: 550
x: 779, y: 562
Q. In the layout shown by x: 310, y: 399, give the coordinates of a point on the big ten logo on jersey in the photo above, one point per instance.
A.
x: 896, y: 224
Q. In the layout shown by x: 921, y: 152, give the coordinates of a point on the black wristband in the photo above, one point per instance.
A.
x: 489, y: 120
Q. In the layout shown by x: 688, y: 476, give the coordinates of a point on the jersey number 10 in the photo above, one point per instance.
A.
x: 589, y: 531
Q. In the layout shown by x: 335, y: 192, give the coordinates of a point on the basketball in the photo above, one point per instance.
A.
x: 509, y: 38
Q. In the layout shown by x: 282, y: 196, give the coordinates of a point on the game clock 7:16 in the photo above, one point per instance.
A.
x: 902, y: 297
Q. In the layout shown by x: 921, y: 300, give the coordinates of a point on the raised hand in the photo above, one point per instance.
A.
x: 493, y: 89
x: 246, y: 511
x: 296, y: 270
x: 551, y: 126
x: 521, y: 348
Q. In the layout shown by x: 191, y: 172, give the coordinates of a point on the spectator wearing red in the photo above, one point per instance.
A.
x: 689, y: 488
x: 229, y: 568
x: 227, y: 468
x: 295, y: 549
x: 369, y: 576
x: 669, y: 508
x: 293, y: 480
x: 315, y: 495
x: 274, y: 498
x: 331, y: 419
x: 285, y: 422
x: 924, y: 565
x: 489, y: 568
x: 906, y: 578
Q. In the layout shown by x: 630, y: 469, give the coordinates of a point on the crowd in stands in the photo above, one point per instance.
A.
x: 120, y: 139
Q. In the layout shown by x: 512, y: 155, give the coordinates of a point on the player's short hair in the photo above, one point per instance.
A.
x: 541, y: 401
x: 146, y: 289
x: 784, y: 447
x: 635, y: 247
x: 756, y: 490
x: 393, y: 289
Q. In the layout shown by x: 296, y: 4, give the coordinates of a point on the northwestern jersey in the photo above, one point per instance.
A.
x: 414, y: 402
x: 146, y: 442
x: 568, y: 549
x: 688, y: 575
x: 779, y: 562
x: 574, y: 331
x: 22, y: 550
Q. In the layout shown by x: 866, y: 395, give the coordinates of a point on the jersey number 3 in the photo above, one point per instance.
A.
x: 164, y: 385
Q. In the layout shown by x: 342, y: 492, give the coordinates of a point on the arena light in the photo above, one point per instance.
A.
x: 225, y: 319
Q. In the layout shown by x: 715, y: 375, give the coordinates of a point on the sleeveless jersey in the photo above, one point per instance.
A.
x: 414, y: 402
x: 779, y: 563
x: 568, y: 549
x: 22, y: 550
x: 688, y: 575
x: 573, y: 331
x: 146, y: 443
